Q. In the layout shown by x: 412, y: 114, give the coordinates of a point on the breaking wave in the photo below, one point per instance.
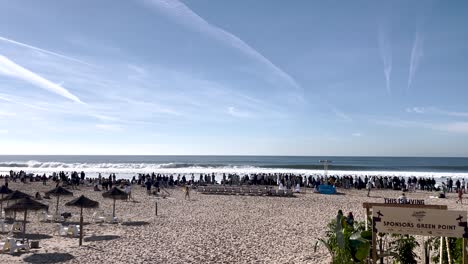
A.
x: 33, y: 166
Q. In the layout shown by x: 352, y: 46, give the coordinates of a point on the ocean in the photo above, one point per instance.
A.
x: 128, y: 166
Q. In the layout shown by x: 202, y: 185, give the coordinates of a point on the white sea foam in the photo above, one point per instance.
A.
x: 130, y: 169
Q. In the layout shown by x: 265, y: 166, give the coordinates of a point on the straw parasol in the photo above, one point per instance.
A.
x: 25, y: 204
x: 14, y: 196
x: 115, y: 194
x: 82, y: 202
x: 3, y: 190
x: 59, y: 191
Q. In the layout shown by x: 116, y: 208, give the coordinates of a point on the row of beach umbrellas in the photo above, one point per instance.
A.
x: 24, y: 203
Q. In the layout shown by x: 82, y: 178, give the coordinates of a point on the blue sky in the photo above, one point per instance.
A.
x: 234, y: 77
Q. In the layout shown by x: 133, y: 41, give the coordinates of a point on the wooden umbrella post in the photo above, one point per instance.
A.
x: 113, y: 211
x: 1, y: 207
x: 374, y: 247
x: 24, y: 225
x: 56, y: 207
x: 465, y: 255
x: 449, y: 257
x: 367, y: 218
x: 441, y: 249
x: 81, y: 226
x: 156, y: 207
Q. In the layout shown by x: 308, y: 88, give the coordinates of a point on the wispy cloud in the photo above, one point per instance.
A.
x: 455, y: 127
x: 109, y: 127
x: 14, y: 100
x: 238, y: 113
x: 44, y: 51
x: 416, y: 55
x: 4, y: 113
x: 435, y: 110
x: 9, y: 68
x: 357, y: 134
x: 184, y: 15
x: 341, y: 115
x: 416, y: 110
x: 451, y: 127
x: 386, y: 54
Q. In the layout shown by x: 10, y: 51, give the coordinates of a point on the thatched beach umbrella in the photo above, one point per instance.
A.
x: 82, y: 202
x: 3, y: 190
x: 25, y: 204
x: 59, y: 191
x: 14, y: 196
x: 116, y: 194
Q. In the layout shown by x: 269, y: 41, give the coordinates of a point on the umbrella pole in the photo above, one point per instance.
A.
x: 56, y: 208
x: 81, y: 226
x: 1, y: 207
x: 24, y: 225
x: 113, y: 211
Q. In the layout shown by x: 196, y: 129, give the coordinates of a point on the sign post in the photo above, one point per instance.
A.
x: 465, y: 252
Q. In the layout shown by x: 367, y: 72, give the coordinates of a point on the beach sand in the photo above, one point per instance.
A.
x: 205, y: 229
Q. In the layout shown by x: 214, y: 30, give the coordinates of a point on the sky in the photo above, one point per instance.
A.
x: 203, y: 77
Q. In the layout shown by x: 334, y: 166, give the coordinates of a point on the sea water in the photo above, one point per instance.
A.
x: 128, y: 166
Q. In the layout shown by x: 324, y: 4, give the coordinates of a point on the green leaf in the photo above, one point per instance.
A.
x: 323, y: 242
x: 366, y: 235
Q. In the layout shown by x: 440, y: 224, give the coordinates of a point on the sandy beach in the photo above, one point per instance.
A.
x: 204, y: 229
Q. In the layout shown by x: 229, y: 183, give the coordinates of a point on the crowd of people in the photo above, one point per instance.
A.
x: 284, y: 180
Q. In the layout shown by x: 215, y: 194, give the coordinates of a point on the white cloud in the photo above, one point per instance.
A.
x: 238, y: 113
x: 109, y: 127
x: 435, y: 110
x: 11, y: 69
x: 7, y: 114
x: 417, y: 110
x: 357, y: 134
x: 341, y: 115
x: 3, y: 131
x: 458, y: 114
x: 452, y: 127
x: 455, y: 127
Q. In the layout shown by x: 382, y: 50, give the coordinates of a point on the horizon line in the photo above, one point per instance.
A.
x: 236, y: 155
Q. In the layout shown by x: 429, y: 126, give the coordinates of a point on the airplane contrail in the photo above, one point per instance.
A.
x: 11, y: 69
x: 416, y: 55
x: 45, y: 51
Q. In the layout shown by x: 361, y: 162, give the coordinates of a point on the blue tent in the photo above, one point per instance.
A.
x: 326, y: 189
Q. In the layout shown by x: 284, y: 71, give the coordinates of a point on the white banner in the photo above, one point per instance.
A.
x: 420, y: 221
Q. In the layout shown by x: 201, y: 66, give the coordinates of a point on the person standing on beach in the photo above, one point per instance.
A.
x: 369, y: 187
x: 460, y: 196
x: 187, y: 192
x: 128, y: 190
x: 148, y: 186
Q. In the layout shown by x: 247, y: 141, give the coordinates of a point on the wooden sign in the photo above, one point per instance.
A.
x: 420, y: 221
